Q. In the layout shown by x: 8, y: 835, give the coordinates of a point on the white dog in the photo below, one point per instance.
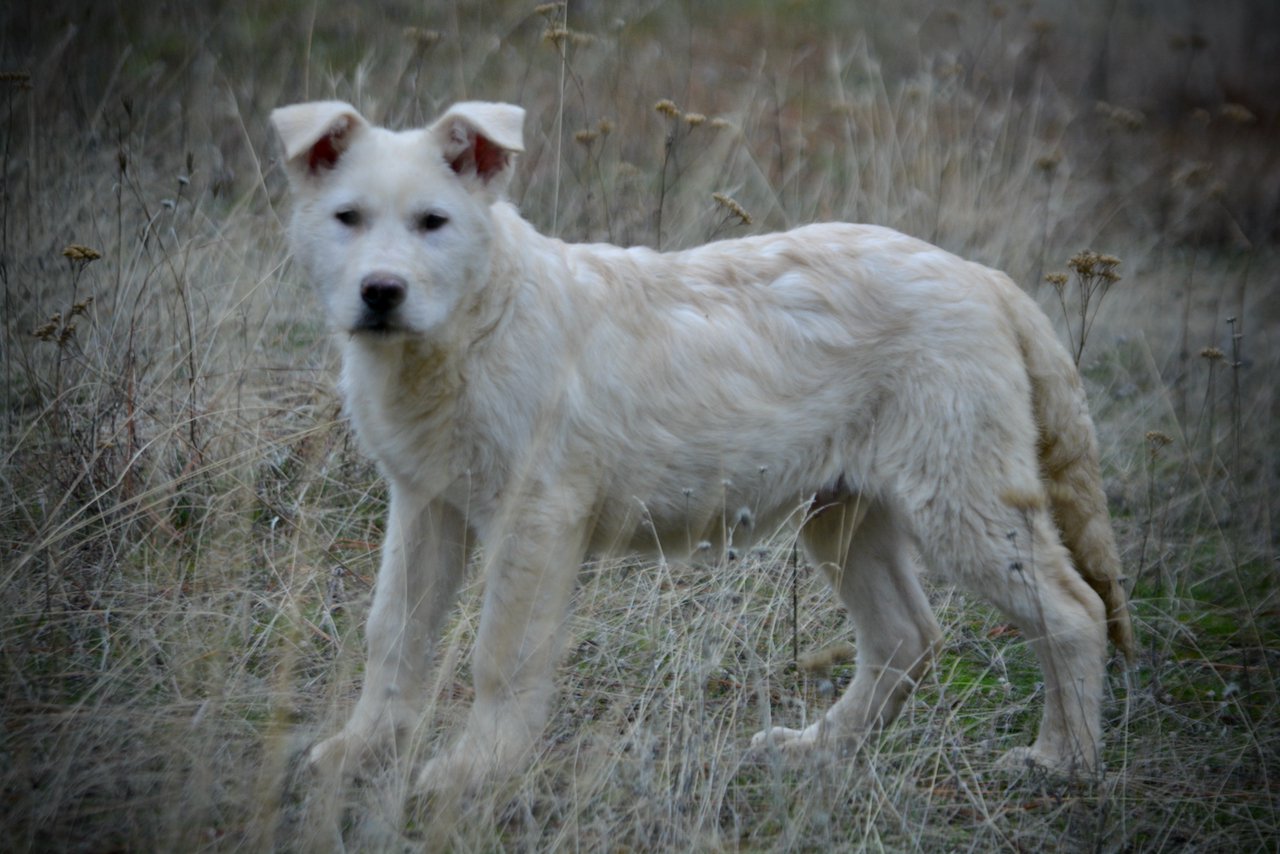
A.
x: 549, y: 400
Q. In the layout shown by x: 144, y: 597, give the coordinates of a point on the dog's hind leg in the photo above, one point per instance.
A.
x: 1013, y: 557
x: 423, y: 560
x: 1034, y: 584
x: 866, y: 554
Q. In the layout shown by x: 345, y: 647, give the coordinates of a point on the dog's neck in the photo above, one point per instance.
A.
x: 383, y: 372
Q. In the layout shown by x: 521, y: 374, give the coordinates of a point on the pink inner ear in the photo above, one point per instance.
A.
x: 482, y: 156
x: 489, y: 157
x: 324, y: 154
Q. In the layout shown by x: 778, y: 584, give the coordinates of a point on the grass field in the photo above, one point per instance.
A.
x: 188, y: 532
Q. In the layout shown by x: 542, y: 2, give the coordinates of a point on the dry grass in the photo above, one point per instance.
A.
x: 188, y: 532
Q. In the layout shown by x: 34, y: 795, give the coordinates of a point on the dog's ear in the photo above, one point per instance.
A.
x: 315, y: 135
x: 479, y: 139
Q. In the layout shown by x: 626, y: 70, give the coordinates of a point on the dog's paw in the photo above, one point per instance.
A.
x: 329, y: 757
x: 341, y: 756
x: 1035, y: 761
x: 820, y: 741
x: 786, y: 739
x: 806, y: 749
x: 454, y: 772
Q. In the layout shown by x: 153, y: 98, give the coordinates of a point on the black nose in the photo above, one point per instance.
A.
x: 382, y: 292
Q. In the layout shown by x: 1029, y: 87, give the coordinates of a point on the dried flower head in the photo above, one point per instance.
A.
x: 585, y: 137
x: 1082, y: 262
x: 1193, y: 174
x: 79, y: 253
x: 1213, y: 354
x: 1091, y: 265
x: 604, y: 127
x: 1123, y: 117
x: 1049, y: 162
x: 559, y: 36
x: 21, y: 78
x: 548, y: 9
x: 1238, y: 113
x: 1157, y: 441
x: 422, y: 37
x: 1095, y: 273
x: 668, y: 108
x: 732, y: 206
x: 49, y: 329
x: 694, y: 119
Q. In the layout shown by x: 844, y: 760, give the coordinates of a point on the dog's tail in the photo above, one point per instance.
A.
x: 1068, y: 450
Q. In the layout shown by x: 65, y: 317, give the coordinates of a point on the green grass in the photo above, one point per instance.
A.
x: 188, y: 531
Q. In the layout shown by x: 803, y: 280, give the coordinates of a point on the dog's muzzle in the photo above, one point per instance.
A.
x: 382, y: 294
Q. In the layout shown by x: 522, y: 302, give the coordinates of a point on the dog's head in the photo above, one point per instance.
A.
x: 395, y: 227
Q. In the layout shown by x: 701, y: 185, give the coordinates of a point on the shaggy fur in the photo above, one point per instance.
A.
x: 548, y: 400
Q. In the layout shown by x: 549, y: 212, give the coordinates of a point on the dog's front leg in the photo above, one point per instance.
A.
x: 423, y: 558
x: 529, y: 579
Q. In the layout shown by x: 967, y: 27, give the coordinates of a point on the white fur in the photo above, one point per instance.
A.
x: 549, y: 399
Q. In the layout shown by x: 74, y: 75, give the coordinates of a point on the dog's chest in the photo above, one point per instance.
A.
x: 404, y: 420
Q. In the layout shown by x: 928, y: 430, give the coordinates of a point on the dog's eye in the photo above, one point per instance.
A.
x: 349, y: 217
x: 432, y: 222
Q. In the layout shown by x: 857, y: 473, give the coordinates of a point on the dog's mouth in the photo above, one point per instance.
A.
x: 372, y: 323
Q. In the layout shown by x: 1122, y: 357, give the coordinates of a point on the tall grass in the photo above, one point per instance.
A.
x: 189, y: 532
